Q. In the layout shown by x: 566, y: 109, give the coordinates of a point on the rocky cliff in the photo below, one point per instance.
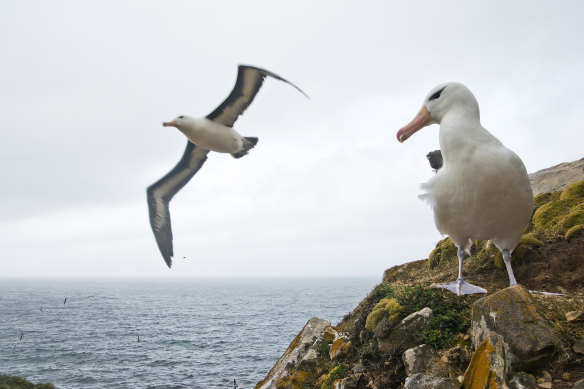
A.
x: 406, y: 334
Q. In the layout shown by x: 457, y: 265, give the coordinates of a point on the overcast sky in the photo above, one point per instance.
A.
x: 328, y: 191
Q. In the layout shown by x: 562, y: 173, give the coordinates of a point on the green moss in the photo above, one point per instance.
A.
x: 11, y: 382
x: 382, y: 290
x: 323, y: 350
x: 387, y: 307
x: 545, y: 198
x: 559, y: 213
x: 574, y: 191
x: 451, y: 312
x: 548, y: 215
x: 575, y: 217
x: 337, y: 373
x: 574, y: 231
x: 445, y: 250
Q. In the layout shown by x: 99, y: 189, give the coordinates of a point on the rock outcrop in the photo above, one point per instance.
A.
x: 557, y: 178
x: 301, y: 356
x: 405, y: 334
x: 512, y: 313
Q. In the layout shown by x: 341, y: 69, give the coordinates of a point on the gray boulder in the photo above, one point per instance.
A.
x: 406, y: 334
x: 421, y: 381
x: 418, y: 359
x: 301, y: 354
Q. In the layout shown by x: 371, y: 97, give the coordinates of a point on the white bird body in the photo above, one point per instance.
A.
x: 211, y: 135
x: 482, y: 190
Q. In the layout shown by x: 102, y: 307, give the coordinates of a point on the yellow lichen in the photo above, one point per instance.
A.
x: 574, y: 231
x: 387, y: 307
x: 296, y: 379
x: 478, y: 374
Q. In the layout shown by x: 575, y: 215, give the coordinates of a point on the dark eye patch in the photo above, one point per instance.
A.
x: 181, y: 116
x: 436, y: 95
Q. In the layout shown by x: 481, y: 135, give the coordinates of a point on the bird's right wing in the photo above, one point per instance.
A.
x: 249, y: 81
x: 162, y: 191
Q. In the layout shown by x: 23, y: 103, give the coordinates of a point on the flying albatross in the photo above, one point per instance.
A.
x: 482, y: 190
x: 212, y: 133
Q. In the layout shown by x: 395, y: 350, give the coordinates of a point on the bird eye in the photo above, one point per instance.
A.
x: 181, y: 116
x: 436, y: 95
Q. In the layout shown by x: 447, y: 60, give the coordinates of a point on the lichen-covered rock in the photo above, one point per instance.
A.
x: 301, y: 354
x: 522, y: 380
x: 418, y: 359
x: 350, y: 382
x: 339, y: 348
x: 512, y: 313
x: 335, y: 377
x: 330, y: 334
x: 489, y: 365
x: 406, y: 334
x: 421, y: 381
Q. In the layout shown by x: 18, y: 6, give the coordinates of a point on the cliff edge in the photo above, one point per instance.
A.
x: 406, y: 334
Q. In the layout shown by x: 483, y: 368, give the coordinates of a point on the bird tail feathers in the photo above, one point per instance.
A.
x: 248, y: 144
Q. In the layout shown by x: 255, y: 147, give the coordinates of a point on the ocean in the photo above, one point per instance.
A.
x: 188, y: 333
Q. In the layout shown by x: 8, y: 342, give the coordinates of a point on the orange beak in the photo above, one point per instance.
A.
x: 421, y: 120
x: 169, y: 124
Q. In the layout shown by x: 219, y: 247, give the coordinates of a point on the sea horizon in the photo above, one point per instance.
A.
x: 91, y: 332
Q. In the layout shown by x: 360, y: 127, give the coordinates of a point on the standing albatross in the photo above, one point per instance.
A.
x: 212, y: 133
x: 482, y: 190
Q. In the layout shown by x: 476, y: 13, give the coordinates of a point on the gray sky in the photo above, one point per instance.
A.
x: 85, y: 86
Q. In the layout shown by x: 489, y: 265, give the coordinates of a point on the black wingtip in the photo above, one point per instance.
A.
x: 273, y: 75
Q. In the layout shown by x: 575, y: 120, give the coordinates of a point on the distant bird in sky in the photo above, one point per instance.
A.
x: 212, y: 133
x: 482, y: 190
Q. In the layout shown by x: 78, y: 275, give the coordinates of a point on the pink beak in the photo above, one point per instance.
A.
x: 169, y: 124
x: 421, y: 120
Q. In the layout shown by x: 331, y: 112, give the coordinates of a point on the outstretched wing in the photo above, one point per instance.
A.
x: 249, y: 81
x: 162, y: 191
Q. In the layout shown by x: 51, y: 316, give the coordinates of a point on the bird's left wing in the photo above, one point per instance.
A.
x: 162, y: 191
x: 249, y: 81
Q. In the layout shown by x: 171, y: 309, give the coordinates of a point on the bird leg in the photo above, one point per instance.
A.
x: 507, y: 260
x: 460, y: 286
x: 512, y: 281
